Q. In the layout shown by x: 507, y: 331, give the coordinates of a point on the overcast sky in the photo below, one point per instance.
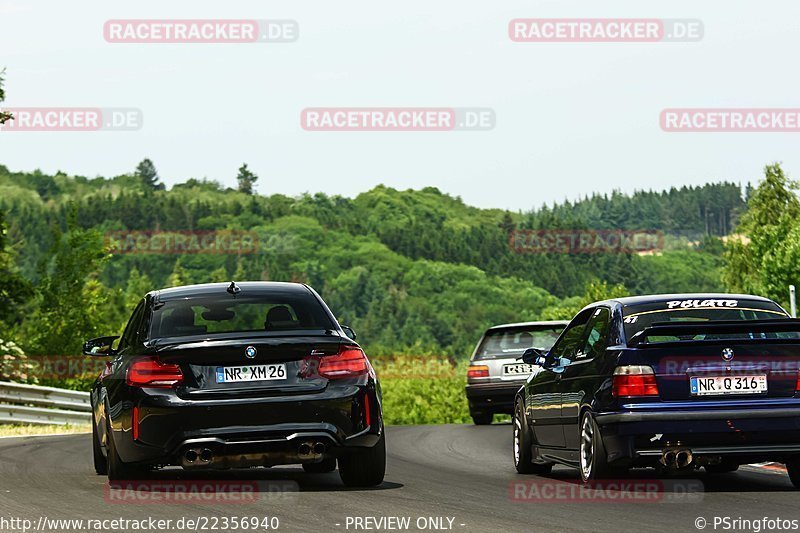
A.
x: 571, y: 118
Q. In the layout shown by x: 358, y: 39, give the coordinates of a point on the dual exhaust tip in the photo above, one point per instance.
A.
x: 676, y: 458
x: 311, y: 449
x: 198, y: 456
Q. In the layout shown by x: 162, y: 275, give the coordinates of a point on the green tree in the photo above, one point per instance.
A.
x: 4, y: 117
x: 764, y: 257
x: 71, y: 303
x: 179, y: 276
x: 14, y: 289
x: 595, y: 291
x: 146, y: 172
x: 14, y: 364
x: 138, y: 285
x: 246, y: 179
x: 218, y: 275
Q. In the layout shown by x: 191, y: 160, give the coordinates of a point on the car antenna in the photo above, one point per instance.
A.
x: 234, y: 289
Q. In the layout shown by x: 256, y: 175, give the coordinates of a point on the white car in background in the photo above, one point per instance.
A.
x: 496, y: 371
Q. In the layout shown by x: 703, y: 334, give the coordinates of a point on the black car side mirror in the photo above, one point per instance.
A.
x: 532, y: 356
x: 100, y: 347
x: 349, y: 332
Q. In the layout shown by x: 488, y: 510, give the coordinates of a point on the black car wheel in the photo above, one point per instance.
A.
x: 593, y: 460
x: 100, y: 463
x: 323, y: 467
x: 117, y: 470
x: 793, y: 467
x: 523, y: 457
x: 364, y: 468
x: 481, y: 418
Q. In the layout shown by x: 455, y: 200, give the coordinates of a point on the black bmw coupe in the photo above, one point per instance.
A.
x: 235, y: 375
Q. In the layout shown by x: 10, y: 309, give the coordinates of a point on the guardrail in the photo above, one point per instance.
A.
x: 31, y: 404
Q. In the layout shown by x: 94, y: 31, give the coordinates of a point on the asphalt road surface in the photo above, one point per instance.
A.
x: 439, y: 478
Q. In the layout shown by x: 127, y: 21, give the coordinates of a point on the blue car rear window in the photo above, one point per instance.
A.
x: 637, y: 318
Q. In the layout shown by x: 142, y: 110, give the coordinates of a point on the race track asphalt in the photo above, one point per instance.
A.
x: 441, y: 478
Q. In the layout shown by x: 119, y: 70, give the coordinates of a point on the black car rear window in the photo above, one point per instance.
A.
x: 637, y: 318
x: 224, y: 314
x: 508, y: 342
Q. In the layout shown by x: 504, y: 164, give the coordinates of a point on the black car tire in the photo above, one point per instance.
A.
x: 117, y: 470
x: 593, y: 462
x: 364, y: 468
x: 100, y: 462
x: 723, y: 468
x: 793, y: 468
x: 480, y: 418
x: 523, y: 457
x: 323, y: 467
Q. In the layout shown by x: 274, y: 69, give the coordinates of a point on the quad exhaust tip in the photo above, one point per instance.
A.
x: 672, y: 458
x: 309, y: 450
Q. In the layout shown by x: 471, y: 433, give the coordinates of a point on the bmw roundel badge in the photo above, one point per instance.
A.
x: 250, y: 352
x: 727, y: 354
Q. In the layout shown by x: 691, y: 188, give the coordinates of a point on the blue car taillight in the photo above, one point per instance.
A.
x: 634, y: 381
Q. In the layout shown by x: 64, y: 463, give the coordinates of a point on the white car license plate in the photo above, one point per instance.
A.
x: 519, y: 369
x: 721, y: 385
x: 238, y: 374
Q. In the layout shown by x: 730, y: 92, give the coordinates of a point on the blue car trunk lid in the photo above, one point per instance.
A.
x: 746, y: 353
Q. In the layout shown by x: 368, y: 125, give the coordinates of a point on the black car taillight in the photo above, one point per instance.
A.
x: 150, y: 372
x: 350, y: 361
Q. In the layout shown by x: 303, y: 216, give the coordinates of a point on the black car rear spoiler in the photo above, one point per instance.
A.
x: 748, y: 327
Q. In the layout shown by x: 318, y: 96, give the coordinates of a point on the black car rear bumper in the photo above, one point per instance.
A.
x: 247, y: 432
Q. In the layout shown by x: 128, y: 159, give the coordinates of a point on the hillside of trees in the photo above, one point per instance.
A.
x: 413, y: 272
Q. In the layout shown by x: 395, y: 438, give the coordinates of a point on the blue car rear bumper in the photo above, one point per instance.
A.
x: 767, y: 430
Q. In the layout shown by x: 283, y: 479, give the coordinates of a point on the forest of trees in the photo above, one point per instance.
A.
x: 413, y: 272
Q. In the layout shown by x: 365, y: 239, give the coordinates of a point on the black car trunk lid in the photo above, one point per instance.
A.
x: 245, y: 367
